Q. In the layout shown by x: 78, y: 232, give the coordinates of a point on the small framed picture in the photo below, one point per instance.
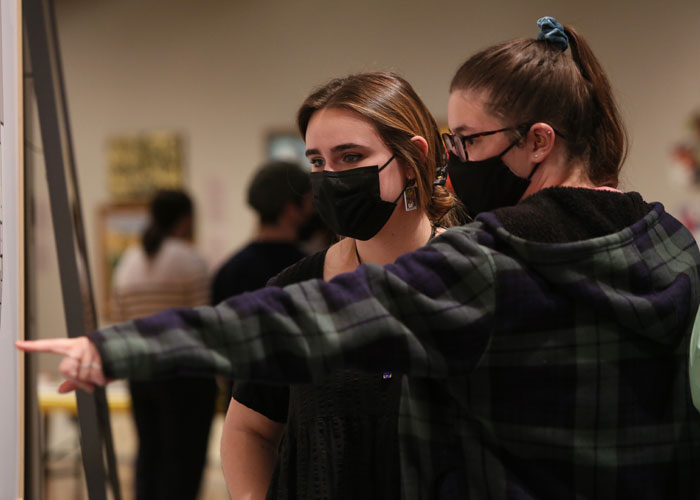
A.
x: 288, y: 146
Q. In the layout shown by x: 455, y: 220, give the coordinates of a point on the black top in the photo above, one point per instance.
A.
x: 341, y: 440
x: 252, y: 267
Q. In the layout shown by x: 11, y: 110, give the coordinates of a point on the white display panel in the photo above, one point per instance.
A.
x: 11, y: 213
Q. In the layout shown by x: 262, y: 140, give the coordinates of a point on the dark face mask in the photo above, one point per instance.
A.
x: 487, y: 184
x: 349, y: 202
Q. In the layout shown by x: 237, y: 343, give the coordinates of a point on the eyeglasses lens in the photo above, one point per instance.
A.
x: 454, y: 146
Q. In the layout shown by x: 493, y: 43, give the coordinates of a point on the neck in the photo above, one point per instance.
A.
x: 403, y: 232
x: 275, y: 232
x: 553, y: 173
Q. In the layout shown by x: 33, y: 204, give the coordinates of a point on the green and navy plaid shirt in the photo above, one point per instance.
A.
x: 535, y: 370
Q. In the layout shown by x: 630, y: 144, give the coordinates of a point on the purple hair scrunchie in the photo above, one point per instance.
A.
x: 553, y: 32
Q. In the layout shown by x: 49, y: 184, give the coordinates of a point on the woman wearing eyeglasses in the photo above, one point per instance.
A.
x: 545, y: 343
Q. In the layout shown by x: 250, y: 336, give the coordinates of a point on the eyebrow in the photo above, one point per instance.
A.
x: 335, y: 149
x: 461, y: 129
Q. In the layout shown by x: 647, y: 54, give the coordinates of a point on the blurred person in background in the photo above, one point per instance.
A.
x: 280, y: 195
x: 172, y: 416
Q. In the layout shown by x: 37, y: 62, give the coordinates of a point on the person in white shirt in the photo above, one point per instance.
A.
x: 172, y: 417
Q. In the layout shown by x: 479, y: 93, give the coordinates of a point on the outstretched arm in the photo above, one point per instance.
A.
x: 428, y: 315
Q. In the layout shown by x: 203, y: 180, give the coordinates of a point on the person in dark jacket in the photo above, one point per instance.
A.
x: 280, y: 194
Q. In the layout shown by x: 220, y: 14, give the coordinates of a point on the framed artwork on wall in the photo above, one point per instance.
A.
x: 286, y: 145
x: 141, y: 163
x: 120, y: 226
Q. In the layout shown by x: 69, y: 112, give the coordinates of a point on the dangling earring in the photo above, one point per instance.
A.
x: 410, y: 198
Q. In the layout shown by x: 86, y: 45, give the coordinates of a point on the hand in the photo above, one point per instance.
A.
x: 81, y: 365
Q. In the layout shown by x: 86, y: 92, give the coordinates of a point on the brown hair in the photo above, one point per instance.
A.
x: 390, y: 103
x: 528, y: 81
x: 275, y: 185
x: 166, y: 210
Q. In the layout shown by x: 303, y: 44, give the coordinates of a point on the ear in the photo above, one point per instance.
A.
x: 288, y: 212
x: 421, y: 143
x: 540, y: 141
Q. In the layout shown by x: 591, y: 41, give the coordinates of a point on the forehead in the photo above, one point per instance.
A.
x: 331, y: 125
x: 467, y: 113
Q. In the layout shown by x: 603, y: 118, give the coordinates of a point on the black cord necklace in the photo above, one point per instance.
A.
x: 433, y: 230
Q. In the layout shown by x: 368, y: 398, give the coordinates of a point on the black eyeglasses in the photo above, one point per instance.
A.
x: 457, y: 144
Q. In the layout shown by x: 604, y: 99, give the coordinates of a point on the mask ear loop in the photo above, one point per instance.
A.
x: 387, y: 163
x: 403, y: 191
x: 534, y: 169
x: 509, y: 148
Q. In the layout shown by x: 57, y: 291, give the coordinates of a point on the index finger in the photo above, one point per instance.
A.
x: 56, y: 346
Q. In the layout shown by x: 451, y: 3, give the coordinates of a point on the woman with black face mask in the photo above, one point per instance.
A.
x: 545, y: 344
x: 376, y: 156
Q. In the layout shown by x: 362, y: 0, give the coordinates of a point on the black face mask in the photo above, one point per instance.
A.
x: 487, y: 184
x: 349, y: 201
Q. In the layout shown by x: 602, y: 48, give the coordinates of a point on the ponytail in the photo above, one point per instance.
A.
x: 167, y: 209
x: 152, y: 239
x: 445, y: 209
x: 608, y: 144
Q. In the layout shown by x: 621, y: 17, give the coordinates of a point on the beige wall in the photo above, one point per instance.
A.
x: 226, y: 72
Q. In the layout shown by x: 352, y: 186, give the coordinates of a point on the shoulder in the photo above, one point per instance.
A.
x: 238, y: 259
x: 310, y: 267
x: 131, y: 261
x: 474, y: 240
x: 132, y: 254
x: 182, y: 255
x: 568, y: 214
